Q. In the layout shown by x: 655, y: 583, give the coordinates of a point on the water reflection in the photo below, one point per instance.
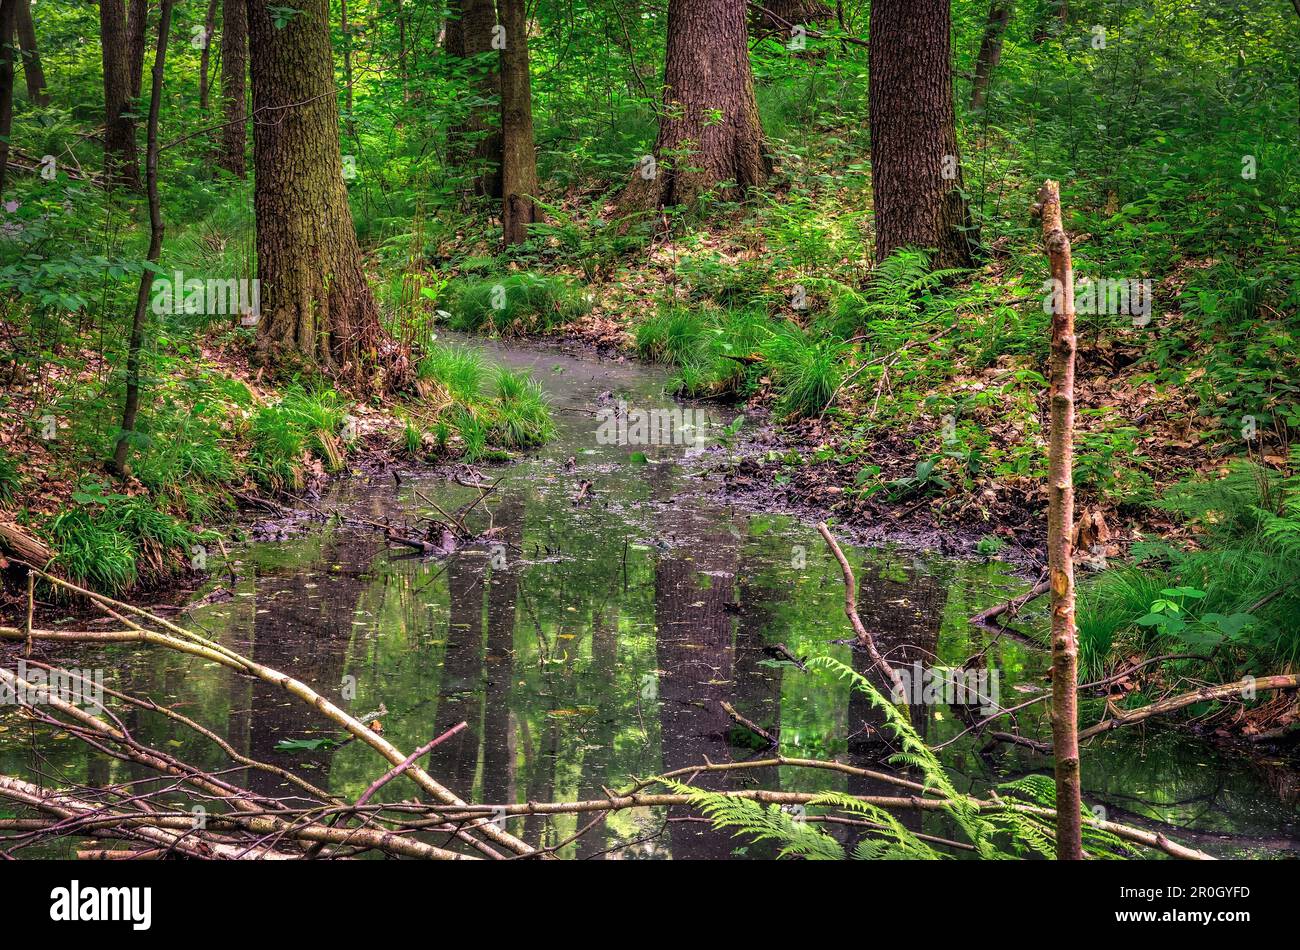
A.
x: 594, y: 643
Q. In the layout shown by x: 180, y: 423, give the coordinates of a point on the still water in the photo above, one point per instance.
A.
x: 596, y: 643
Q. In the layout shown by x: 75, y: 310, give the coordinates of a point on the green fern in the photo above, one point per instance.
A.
x: 1023, y: 827
x: 762, y: 823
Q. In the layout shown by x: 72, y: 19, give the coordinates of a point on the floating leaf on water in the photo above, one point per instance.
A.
x: 304, y: 745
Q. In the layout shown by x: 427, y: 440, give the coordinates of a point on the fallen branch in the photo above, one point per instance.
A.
x: 749, y: 724
x: 1012, y: 606
x: 1126, y: 717
x: 851, y: 611
x: 208, y: 650
x: 1205, y: 694
x: 616, y: 802
x: 411, y: 759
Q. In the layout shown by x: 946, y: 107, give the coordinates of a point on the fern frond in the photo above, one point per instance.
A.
x: 762, y: 823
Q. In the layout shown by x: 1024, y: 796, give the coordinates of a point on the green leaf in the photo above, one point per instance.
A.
x: 304, y: 745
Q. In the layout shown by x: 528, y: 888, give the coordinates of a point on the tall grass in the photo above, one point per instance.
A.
x: 520, y: 416
x: 460, y: 370
x: 517, y: 304
x: 286, y: 435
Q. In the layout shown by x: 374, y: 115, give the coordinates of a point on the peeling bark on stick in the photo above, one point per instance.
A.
x: 1060, y: 529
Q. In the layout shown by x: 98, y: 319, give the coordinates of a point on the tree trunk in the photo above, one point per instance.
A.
x: 137, y: 27
x: 1060, y: 529
x: 915, y: 166
x: 8, y: 16
x: 478, y: 141
x: 453, y: 31
x: 132, y: 404
x: 205, y: 57
x: 518, y: 154
x: 119, y: 129
x: 234, y: 97
x: 1054, y: 15
x: 35, y: 75
x: 318, y: 313
x: 709, y: 132
x: 345, y: 29
x: 990, y: 51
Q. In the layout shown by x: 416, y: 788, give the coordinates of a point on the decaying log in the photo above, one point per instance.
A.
x: 17, y: 543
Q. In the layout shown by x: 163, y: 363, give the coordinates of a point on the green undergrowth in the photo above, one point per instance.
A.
x: 515, y: 305
x: 729, y: 352
x: 1228, y: 601
x: 1014, y: 830
x: 483, y: 412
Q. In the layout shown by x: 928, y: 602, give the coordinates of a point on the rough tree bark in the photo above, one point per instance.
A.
x: 470, y: 29
x: 317, y: 311
x: 32, y: 70
x: 132, y: 404
x: 120, y: 163
x: 234, y: 95
x: 8, y: 15
x: 205, y: 57
x: 709, y: 131
x: 137, y: 22
x: 346, y: 30
x: 1060, y: 529
x: 915, y: 164
x: 518, y: 153
x: 990, y: 51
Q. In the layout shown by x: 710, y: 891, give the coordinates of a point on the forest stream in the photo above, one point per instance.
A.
x: 597, y: 641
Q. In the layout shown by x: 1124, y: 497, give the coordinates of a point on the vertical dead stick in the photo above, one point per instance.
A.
x: 1060, y: 530
x: 31, y: 610
x: 851, y: 611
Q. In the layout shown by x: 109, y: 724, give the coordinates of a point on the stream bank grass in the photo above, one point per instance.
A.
x: 288, y: 434
x: 489, y: 408
x: 110, y: 542
x: 461, y: 371
x: 520, y: 416
x: 728, y: 351
x: 515, y: 305
x: 1232, y: 599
